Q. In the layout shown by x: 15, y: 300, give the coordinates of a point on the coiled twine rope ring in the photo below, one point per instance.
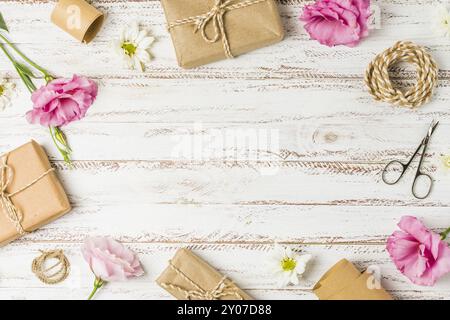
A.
x: 55, y: 273
x: 379, y: 83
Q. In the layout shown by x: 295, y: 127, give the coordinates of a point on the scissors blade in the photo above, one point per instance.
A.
x: 432, y: 128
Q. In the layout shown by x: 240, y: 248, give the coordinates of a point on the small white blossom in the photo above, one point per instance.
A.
x: 287, y: 266
x: 441, y: 21
x: 7, y: 92
x: 132, y: 46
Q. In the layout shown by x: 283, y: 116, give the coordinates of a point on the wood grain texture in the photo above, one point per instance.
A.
x: 248, y: 269
x: 157, y: 166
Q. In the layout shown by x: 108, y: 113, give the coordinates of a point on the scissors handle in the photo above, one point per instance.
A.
x: 394, y: 165
x: 427, y: 189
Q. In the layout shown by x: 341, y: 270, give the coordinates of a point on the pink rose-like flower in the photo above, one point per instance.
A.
x: 62, y: 101
x: 419, y: 253
x: 111, y: 261
x: 337, y: 22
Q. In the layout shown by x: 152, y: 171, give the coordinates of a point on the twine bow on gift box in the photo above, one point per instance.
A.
x: 216, y: 16
x: 6, y: 177
x: 222, y: 289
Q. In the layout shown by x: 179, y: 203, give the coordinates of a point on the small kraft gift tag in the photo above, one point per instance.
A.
x: 78, y: 18
x: 345, y: 282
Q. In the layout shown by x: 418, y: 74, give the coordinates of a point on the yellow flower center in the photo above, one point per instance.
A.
x: 129, y: 48
x: 288, y: 264
x: 446, y: 161
x: 2, y: 89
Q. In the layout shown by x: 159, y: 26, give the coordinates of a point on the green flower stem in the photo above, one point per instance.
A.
x: 26, y: 80
x: 24, y: 57
x: 98, y: 283
x: 61, y: 144
x: 445, y: 234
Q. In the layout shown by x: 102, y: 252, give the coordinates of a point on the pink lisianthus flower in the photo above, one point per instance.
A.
x: 419, y: 253
x: 337, y: 22
x: 62, y: 101
x: 110, y: 261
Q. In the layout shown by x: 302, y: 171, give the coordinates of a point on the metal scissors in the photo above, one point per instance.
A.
x: 399, y: 168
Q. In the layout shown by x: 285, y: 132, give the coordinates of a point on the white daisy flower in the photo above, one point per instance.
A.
x: 7, y: 92
x: 287, y: 266
x: 132, y: 46
x: 441, y: 21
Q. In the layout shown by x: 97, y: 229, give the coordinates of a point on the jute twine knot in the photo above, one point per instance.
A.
x: 222, y: 289
x: 53, y: 274
x: 6, y: 177
x: 379, y: 83
x: 216, y: 16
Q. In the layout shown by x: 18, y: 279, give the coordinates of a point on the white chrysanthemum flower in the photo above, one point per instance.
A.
x: 287, y: 266
x: 132, y: 46
x: 7, y: 92
x: 441, y: 21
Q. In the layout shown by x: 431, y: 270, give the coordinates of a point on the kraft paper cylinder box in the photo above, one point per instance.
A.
x: 30, y: 192
x: 345, y: 282
x: 205, y: 31
x: 190, y: 278
x: 78, y: 18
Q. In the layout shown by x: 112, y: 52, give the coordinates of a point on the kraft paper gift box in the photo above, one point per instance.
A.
x: 190, y: 278
x: 345, y: 282
x: 205, y: 31
x: 30, y: 192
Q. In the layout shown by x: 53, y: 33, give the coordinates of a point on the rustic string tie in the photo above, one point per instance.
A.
x: 222, y: 289
x: 43, y: 273
x: 6, y: 177
x: 379, y: 83
x: 216, y: 17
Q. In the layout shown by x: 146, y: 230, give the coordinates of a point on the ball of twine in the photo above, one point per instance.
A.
x: 379, y: 83
x: 54, y: 274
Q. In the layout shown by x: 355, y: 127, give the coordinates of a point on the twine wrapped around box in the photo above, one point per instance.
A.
x: 241, y: 26
x: 12, y: 212
x: 188, y: 277
x: 215, y: 15
x: 222, y: 289
x: 31, y: 194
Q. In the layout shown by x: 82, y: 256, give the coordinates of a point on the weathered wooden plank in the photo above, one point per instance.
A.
x: 245, y: 264
x: 231, y: 101
x: 234, y: 224
x: 268, y: 183
x: 400, y: 20
x: 323, y: 186
x: 345, y: 140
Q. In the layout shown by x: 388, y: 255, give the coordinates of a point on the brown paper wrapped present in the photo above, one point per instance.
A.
x: 190, y: 278
x: 345, y: 282
x: 78, y: 18
x: 30, y: 193
x: 205, y: 31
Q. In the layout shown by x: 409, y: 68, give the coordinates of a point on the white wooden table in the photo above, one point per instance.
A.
x: 317, y: 187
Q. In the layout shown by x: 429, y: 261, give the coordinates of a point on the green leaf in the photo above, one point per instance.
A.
x: 25, y: 69
x: 3, y: 23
